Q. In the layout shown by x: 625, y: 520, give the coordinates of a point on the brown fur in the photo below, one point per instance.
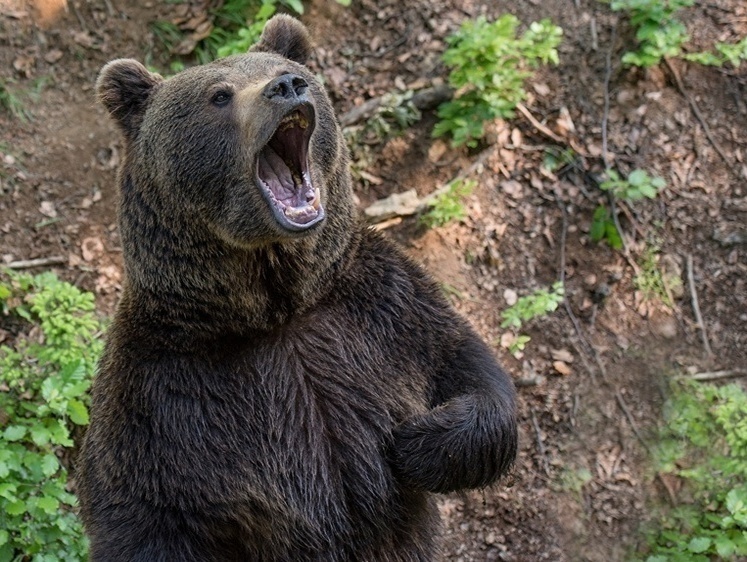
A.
x: 269, y: 395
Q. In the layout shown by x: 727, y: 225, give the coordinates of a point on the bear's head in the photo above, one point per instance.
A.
x: 246, y: 148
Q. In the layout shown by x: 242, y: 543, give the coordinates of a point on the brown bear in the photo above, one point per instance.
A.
x: 280, y: 383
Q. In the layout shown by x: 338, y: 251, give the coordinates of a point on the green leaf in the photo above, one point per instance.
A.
x: 699, y: 545
x: 294, y: 5
x: 15, y: 508
x: 637, y: 177
x: 14, y: 432
x: 725, y: 547
x: 49, y: 465
x: 4, y: 537
x: 48, y: 504
x: 40, y: 435
x: 78, y: 412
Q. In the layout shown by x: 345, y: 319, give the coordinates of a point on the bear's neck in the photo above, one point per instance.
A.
x: 183, y: 281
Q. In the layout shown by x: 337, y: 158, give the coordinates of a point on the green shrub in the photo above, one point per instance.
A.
x: 448, y: 206
x: 540, y: 303
x: 489, y: 65
x: 44, y: 377
x: 733, y: 53
x: 704, y: 442
x: 658, y: 32
x: 638, y: 185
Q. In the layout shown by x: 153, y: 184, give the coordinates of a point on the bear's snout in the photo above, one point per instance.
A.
x: 286, y: 87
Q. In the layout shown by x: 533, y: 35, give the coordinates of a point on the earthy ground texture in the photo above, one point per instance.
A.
x: 593, y: 377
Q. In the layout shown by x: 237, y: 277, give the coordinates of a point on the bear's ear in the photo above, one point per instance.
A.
x: 285, y: 36
x: 124, y: 86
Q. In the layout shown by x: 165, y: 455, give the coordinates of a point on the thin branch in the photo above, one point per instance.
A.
x: 539, y: 126
x: 540, y: 443
x: 631, y: 420
x: 719, y: 375
x: 699, y: 116
x: 696, y: 306
x: 38, y: 262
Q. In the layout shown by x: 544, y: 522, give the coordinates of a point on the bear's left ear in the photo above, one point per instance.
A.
x: 285, y: 36
x: 124, y: 86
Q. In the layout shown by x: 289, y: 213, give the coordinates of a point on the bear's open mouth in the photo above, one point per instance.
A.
x: 283, y: 171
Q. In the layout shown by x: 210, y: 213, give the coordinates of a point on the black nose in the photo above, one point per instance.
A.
x: 287, y: 87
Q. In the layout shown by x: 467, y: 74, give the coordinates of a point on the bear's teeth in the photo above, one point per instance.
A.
x: 317, y: 199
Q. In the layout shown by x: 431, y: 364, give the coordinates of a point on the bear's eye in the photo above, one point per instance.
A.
x: 221, y: 97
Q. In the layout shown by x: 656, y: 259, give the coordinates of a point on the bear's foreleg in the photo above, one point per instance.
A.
x: 469, y: 437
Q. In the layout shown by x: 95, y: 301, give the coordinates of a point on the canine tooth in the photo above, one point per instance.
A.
x: 317, y: 199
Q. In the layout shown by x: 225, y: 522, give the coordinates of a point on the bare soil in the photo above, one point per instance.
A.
x: 583, y: 483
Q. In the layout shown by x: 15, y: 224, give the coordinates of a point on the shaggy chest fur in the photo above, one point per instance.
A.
x: 281, y: 438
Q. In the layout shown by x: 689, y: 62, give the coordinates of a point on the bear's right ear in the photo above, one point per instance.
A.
x: 124, y: 86
x: 285, y: 36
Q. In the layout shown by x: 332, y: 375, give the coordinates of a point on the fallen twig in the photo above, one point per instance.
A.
x: 696, y: 306
x: 540, y: 443
x: 38, y: 262
x: 539, y: 126
x: 631, y: 420
x: 698, y: 115
x: 424, y: 99
x: 719, y: 375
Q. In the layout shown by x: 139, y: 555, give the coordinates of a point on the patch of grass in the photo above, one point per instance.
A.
x: 489, y: 64
x: 704, y: 444
x: 448, y: 206
x: 44, y: 378
x: 12, y: 101
x: 652, y: 281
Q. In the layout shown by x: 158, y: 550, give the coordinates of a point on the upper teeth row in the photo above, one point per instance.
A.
x: 295, y: 118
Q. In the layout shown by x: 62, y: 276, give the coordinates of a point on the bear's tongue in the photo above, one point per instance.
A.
x: 281, y: 167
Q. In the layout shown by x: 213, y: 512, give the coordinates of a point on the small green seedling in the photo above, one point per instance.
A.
x: 540, y: 303
x: 448, y: 206
x: 638, y: 185
x: 490, y: 64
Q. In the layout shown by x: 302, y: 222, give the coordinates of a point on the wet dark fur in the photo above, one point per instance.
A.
x: 263, y: 396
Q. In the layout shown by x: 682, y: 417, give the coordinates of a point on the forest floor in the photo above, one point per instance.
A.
x: 593, y: 378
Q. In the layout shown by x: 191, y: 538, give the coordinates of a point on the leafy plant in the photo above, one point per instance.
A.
x: 395, y: 113
x: 658, y: 32
x: 540, y: 303
x: 448, y: 206
x: 638, y: 185
x: 489, y: 65
x: 603, y: 228
x: 704, y: 443
x: 234, y: 32
x: 44, y: 378
x: 733, y: 53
